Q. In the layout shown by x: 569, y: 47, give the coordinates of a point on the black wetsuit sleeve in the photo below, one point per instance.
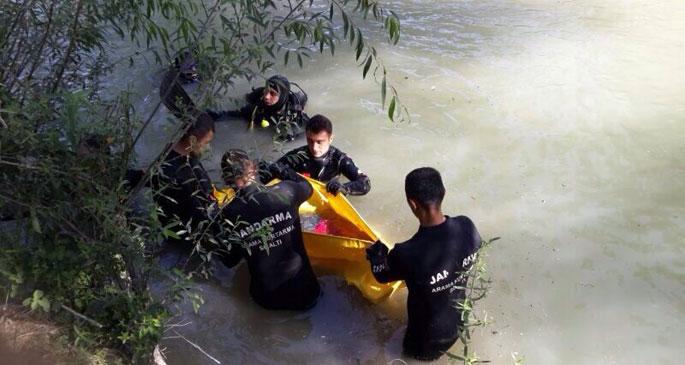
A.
x: 293, y: 159
x: 301, y: 189
x: 244, y: 112
x: 359, y: 183
x: 386, y: 267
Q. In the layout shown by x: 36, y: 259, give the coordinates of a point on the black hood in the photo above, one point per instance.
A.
x: 281, y: 84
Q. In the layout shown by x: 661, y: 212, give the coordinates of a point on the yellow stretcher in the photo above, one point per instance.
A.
x: 341, y: 251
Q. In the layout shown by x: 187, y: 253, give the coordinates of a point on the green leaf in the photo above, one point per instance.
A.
x: 367, y: 66
x: 352, y: 35
x: 37, y: 300
x: 360, y: 45
x: 169, y: 233
x: 384, y: 90
x: 330, y: 13
x: 391, y: 109
x: 299, y: 60
x: 346, y: 24
x: 286, y: 57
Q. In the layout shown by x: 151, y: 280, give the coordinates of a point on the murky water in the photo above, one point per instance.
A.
x: 557, y: 125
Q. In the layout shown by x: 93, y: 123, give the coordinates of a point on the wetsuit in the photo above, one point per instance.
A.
x: 327, y: 168
x: 184, y: 191
x: 268, y: 235
x: 287, y: 116
x: 431, y: 263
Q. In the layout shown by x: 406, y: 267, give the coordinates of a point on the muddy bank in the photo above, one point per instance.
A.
x: 26, y: 339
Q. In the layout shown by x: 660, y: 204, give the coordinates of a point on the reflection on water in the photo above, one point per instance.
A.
x: 558, y: 125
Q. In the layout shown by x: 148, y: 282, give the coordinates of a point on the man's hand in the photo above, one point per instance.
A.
x: 334, y: 187
x: 377, y: 255
x: 376, y: 252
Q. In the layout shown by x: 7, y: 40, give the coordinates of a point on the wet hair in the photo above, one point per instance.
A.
x: 424, y: 186
x: 203, y: 124
x: 235, y: 164
x: 319, y: 123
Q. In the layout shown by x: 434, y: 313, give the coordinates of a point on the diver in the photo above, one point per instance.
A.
x: 321, y: 161
x: 172, y: 91
x: 433, y: 264
x: 182, y: 188
x: 262, y: 225
x: 273, y: 105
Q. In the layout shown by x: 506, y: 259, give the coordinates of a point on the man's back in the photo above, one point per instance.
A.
x: 268, y: 226
x: 432, y: 264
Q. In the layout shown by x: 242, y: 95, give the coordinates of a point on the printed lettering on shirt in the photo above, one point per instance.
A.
x: 446, y: 286
x: 378, y: 268
x: 439, y: 276
x: 469, y: 260
x: 266, y: 222
x: 271, y: 239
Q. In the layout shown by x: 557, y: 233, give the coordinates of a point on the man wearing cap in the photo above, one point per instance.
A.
x: 275, y: 105
x: 262, y: 225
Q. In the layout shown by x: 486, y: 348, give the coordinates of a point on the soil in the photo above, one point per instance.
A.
x: 26, y: 339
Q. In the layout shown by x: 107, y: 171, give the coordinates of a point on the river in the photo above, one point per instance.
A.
x: 557, y: 125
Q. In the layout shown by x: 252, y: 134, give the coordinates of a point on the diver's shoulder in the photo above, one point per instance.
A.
x: 462, y: 220
x: 297, y: 150
x: 338, y: 154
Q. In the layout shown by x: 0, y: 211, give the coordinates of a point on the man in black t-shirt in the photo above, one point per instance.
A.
x: 433, y: 263
x: 321, y: 161
x: 263, y: 226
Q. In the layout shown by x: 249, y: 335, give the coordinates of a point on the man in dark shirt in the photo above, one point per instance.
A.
x: 263, y: 226
x: 433, y: 263
x: 181, y: 187
x: 321, y: 161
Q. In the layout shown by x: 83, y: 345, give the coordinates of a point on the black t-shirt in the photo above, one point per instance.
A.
x: 431, y: 263
x: 333, y: 164
x: 183, y: 190
x: 268, y: 235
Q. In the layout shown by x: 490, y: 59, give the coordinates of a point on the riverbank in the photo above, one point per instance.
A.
x: 27, y: 339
